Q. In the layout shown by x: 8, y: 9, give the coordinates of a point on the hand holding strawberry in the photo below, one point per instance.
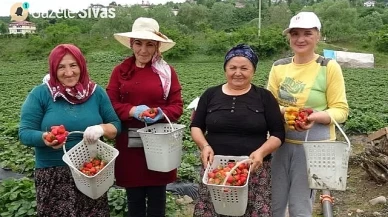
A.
x: 56, y: 137
x: 297, y: 118
x: 138, y: 110
x: 152, y: 115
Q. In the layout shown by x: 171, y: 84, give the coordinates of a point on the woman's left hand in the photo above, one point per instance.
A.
x: 53, y: 144
x: 256, y: 160
x: 304, y: 126
x: 159, y: 116
x: 93, y: 133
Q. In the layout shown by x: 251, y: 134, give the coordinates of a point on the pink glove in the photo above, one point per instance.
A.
x: 93, y: 133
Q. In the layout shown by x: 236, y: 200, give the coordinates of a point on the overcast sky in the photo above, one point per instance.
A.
x: 76, y: 5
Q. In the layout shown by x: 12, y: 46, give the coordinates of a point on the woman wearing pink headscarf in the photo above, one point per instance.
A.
x: 71, y: 99
x: 140, y: 82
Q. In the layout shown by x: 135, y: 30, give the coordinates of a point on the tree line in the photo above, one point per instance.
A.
x: 210, y: 27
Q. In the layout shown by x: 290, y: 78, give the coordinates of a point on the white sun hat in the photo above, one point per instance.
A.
x: 145, y: 28
x: 304, y: 20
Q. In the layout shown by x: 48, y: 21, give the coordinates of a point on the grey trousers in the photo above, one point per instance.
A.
x: 289, y: 182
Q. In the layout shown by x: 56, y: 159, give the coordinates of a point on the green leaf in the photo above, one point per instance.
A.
x: 13, y: 196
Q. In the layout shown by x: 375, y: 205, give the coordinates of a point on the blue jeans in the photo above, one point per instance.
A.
x: 148, y: 201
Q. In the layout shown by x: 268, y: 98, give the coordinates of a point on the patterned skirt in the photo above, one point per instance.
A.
x: 259, y: 196
x: 57, y: 195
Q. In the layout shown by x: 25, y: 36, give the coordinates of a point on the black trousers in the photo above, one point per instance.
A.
x: 149, y: 201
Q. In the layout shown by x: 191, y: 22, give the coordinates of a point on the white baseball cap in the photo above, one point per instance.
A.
x: 304, y: 20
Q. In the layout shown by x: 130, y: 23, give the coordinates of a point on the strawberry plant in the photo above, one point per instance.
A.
x: 117, y: 199
x: 17, y: 197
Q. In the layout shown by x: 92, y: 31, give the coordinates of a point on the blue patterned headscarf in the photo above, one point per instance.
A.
x: 242, y: 50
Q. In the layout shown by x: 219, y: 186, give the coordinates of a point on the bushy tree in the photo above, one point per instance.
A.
x: 107, y: 27
x: 384, y: 17
x: 244, y: 15
x: 60, y: 33
x: 221, y: 16
x: 163, y: 15
x: 37, y: 48
x: 337, y: 18
x: 193, y: 16
x: 184, y: 46
x: 278, y: 15
x: 218, y: 43
x: 3, y: 28
x: 370, y: 23
x: 381, y: 42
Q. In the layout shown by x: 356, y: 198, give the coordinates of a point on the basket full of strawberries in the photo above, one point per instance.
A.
x: 227, y: 180
x: 92, y: 166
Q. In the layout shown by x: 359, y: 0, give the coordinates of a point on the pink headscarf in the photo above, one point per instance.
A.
x: 83, y: 89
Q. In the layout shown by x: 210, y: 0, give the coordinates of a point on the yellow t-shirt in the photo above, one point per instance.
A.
x: 318, y: 84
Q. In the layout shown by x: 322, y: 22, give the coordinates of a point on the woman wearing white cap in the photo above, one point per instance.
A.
x: 140, y: 82
x: 306, y: 80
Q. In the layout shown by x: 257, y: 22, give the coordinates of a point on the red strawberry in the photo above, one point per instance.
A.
x: 61, y: 138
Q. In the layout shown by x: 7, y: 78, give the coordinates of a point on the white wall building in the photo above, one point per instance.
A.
x: 369, y: 3
x: 21, y: 27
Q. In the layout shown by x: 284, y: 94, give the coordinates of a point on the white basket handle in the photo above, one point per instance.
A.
x: 165, y: 116
x: 225, y: 189
x: 234, y: 168
x: 64, y: 148
x: 343, y: 133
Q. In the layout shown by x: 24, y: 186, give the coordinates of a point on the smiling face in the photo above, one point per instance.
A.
x: 68, y: 72
x: 239, y: 72
x: 304, y: 41
x: 144, y: 50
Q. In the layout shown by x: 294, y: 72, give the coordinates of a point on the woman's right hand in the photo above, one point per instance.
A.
x: 207, y: 155
x: 54, y: 144
x: 138, y: 110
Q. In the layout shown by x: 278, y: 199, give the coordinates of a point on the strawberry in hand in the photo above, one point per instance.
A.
x: 50, y: 137
x: 56, y: 137
x: 297, y: 118
x: 151, y: 113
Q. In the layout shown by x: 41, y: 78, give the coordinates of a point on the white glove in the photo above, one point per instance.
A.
x: 93, y: 133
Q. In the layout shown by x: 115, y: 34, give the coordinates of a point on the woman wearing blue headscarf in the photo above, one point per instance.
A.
x: 234, y: 119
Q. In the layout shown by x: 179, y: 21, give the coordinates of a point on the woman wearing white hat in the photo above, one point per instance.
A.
x: 311, y: 81
x: 140, y: 82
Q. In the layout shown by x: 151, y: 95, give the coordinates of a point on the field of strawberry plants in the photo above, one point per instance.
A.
x: 366, y: 92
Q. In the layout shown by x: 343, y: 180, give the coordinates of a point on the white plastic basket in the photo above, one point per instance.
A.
x: 327, y: 163
x: 92, y: 186
x: 227, y: 200
x: 163, y: 143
